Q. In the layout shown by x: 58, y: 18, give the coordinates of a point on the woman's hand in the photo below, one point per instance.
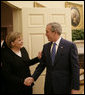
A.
x: 40, y: 55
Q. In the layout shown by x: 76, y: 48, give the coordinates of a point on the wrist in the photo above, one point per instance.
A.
x: 32, y: 79
x: 73, y: 91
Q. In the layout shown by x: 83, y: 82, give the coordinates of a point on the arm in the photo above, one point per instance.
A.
x: 33, y: 61
x: 29, y: 80
x: 30, y: 61
x: 36, y: 59
x: 74, y: 69
x: 38, y: 71
x: 41, y: 66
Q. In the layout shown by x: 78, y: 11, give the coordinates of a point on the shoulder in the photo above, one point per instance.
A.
x: 47, y: 44
x: 70, y: 44
x: 5, y: 50
x: 5, y: 53
x: 24, y: 52
x: 23, y: 49
x: 67, y: 42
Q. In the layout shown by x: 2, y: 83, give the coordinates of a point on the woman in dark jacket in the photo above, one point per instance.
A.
x: 15, y: 66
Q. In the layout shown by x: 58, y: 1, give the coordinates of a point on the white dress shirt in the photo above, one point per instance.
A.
x: 2, y: 43
x: 57, y: 44
x: 19, y: 54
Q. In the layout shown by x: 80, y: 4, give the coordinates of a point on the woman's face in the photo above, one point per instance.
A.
x: 18, y: 43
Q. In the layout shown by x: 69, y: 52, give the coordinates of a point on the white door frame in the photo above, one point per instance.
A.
x: 17, y: 17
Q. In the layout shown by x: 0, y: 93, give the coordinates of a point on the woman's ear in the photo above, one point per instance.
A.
x: 12, y: 43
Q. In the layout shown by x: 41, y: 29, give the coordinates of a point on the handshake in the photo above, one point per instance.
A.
x: 28, y: 81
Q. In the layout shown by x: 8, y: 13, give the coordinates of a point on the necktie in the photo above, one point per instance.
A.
x: 53, y: 52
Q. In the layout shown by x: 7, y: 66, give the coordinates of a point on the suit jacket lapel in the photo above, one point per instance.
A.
x: 59, y: 51
x: 49, y: 54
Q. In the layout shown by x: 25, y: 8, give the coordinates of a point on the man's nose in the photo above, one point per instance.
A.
x: 22, y: 41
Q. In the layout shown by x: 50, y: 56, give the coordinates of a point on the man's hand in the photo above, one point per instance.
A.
x: 28, y: 81
x: 74, y: 91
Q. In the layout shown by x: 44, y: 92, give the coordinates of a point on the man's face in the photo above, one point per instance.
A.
x: 50, y: 35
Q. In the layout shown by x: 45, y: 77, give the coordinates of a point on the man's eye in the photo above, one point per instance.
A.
x: 46, y: 31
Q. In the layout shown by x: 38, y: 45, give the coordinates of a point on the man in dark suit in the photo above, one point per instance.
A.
x: 60, y: 58
x: 3, y: 47
x: 3, y: 44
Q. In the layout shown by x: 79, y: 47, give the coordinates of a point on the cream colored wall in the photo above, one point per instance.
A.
x: 21, y: 4
x: 52, y: 4
x: 60, y: 4
x: 48, y: 4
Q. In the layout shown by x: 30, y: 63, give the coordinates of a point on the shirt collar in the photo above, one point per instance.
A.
x: 58, y: 41
x: 2, y: 43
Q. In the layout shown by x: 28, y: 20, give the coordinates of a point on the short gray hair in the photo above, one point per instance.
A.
x: 56, y: 27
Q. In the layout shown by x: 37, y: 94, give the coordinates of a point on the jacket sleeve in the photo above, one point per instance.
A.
x: 30, y: 61
x: 33, y: 61
x: 74, y: 67
x: 40, y: 67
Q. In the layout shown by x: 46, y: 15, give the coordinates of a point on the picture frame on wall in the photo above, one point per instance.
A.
x: 76, y: 14
x: 38, y: 5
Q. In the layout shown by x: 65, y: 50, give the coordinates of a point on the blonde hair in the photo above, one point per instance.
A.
x: 11, y: 37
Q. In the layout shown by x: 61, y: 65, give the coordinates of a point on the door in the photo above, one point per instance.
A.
x: 34, y: 21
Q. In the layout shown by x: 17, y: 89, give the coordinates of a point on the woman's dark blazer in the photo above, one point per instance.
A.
x: 14, y: 70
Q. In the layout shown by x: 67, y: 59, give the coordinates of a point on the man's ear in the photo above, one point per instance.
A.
x: 55, y: 32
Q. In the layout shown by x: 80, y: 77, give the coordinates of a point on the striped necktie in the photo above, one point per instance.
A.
x: 53, y: 52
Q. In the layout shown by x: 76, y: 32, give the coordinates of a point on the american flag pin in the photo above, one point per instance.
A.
x: 61, y: 47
